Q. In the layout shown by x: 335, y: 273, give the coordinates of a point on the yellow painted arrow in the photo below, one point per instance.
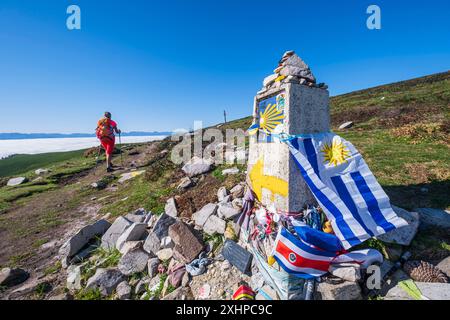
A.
x: 260, y: 181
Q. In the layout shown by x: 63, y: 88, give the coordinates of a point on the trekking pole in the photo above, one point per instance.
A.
x: 120, y: 142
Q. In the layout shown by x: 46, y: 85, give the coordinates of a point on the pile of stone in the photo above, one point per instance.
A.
x: 291, y: 69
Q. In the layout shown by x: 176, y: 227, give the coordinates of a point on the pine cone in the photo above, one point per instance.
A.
x: 422, y: 271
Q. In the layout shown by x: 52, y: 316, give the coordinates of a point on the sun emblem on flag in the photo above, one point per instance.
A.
x: 270, y: 118
x: 292, y: 257
x: 335, y: 152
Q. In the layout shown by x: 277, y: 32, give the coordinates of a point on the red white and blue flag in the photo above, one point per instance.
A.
x: 302, y: 259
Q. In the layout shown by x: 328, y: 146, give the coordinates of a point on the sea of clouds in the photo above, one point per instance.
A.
x: 35, y: 146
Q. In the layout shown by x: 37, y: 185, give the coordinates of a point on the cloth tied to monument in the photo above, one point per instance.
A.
x: 347, y: 191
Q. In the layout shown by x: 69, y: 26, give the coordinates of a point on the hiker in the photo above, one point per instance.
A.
x: 105, y: 133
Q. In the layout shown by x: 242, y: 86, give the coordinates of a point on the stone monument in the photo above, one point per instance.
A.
x: 290, y: 102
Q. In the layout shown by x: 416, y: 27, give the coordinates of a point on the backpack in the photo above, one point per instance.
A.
x: 104, y: 129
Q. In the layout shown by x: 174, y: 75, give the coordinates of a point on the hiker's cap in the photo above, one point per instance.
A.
x: 108, y: 115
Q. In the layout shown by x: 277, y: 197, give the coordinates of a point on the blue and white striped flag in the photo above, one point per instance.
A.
x: 345, y: 188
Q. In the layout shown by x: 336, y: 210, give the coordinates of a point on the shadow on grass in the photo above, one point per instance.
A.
x: 431, y: 195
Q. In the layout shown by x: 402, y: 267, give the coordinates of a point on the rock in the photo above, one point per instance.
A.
x: 106, y: 280
x: 214, y: 225
x: 403, y: 235
x: 137, y: 216
x: 347, y: 271
x: 269, y: 80
x: 197, y: 166
x: 393, y: 252
x: 185, y: 183
x: 110, y: 237
x: 123, y: 291
x: 222, y: 193
x: 237, y: 191
x: 165, y: 254
x: 130, y: 245
x: 346, y: 125
x: 238, y: 203
x: 342, y: 291
x: 133, y: 262
x: 167, y: 243
x: 16, y: 181
x: 227, y: 211
x: 200, y: 217
x: 444, y: 266
x: 230, y: 171
x: 237, y: 256
x: 295, y: 66
x: 99, y: 185
x: 185, y: 280
x: 12, y: 277
x: 187, y: 245
x: 134, y: 232
x: 266, y: 293
x: 432, y: 291
x: 434, y: 217
x: 141, y: 285
x: 161, y: 227
x: 74, y: 278
x: 204, y: 292
x: 154, y: 283
x: 152, y: 267
x: 182, y: 293
x: 152, y: 244
x: 130, y: 175
x: 72, y: 246
x: 171, y: 208
x: 41, y: 171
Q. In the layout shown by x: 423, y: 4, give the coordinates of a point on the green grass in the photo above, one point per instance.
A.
x: 22, y: 163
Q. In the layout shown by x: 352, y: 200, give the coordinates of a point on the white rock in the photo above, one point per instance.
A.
x: 171, y: 208
x: 41, y: 171
x: 222, y: 193
x: 130, y: 245
x: 74, y: 278
x: 237, y: 191
x: 346, y: 271
x: 230, y: 171
x: 197, y: 166
x: 167, y: 243
x: 110, y: 237
x: 346, y: 125
x: 200, y: 217
x: 133, y: 233
x: 227, y: 211
x: 214, y: 225
x: 431, y: 291
x: 130, y: 175
x: 16, y: 181
x: 165, y: 254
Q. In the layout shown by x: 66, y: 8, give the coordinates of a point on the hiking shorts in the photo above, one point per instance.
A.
x: 108, y: 144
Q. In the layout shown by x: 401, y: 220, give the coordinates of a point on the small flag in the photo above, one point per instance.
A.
x: 299, y: 258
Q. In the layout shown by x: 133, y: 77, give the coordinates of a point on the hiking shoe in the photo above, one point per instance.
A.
x: 109, y: 169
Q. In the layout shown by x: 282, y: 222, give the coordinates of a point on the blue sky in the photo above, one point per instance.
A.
x: 160, y: 65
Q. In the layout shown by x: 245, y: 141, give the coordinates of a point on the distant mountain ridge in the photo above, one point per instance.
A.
x: 22, y: 136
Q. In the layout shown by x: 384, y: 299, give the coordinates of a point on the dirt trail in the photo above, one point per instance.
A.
x: 40, y: 224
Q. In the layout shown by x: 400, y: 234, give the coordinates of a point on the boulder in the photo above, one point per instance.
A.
x: 185, y: 183
x: 165, y: 254
x: 403, y: 235
x: 110, y: 237
x: 187, y: 245
x: 72, y: 246
x: 133, y: 262
x: 171, y: 208
x: 106, y: 280
x: 230, y: 171
x: 342, y: 291
x: 16, y: 181
x: 214, y: 225
x: 237, y: 191
x: 346, y: 125
x: 222, y: 193
x: 197, y: 166
x: 200, y: 217
x: 431, y: 291
x: 130, y: 175
x: 12, y: 277
x: 130, y: 245
x: 182, y: 293
x: 152, y: 267
x: 152, y: 244
x: 434, y: 217
x: 444, y: 266
x: 161, y: 228
x: 74, y: 278
x: 227, y: 211
x: 123, y: 291
x: 134, y: 232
